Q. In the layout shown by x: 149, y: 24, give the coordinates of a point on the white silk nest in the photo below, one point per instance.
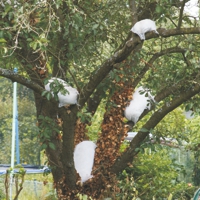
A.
x: 69, y: 97
x: 138, y: 104
x: 84, y: 159
x: 144, y: 26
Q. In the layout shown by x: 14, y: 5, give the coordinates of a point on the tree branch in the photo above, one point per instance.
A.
x: 172, y: 32
x: 123, y: 53
x: 165, y: 92
x: 128, y: 155
x: 154, y: 57
x: 133, y: 11
x: 107, y: 66
x: 20, y: 79
x: 181, y: 14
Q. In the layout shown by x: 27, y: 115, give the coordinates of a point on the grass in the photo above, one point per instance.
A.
x: 35, y: 187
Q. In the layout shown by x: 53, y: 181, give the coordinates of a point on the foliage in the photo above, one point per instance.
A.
x: 176, y: 160
x: 2, y: 194
x: 50, y: 196
x: 35, y: 187
x: 184, y: 192
x: 153, y: 175
x: 84, y: 116
x: 28, y: 131
x: 46, y: 126
x: 95, y: 122
x: 18, y: 178
x: 193, y: 145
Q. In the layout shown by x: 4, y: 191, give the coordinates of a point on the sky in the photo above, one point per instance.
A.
x: 192, y: 8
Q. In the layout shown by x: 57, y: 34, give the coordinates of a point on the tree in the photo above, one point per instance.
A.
x: 28, y: 131
x: 89, y: 45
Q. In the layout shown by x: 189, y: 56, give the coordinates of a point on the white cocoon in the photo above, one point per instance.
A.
x: 137, y: 106
x: 64, y: 99
x: 143, y: 26
x: 84, y: 159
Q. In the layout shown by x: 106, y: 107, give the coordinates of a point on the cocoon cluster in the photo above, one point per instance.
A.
x: 84, y: 159
x: 137, y: 106
x: 143, y: 26
x: 71, y: 95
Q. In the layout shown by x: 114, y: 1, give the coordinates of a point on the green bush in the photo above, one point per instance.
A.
x: 153, y: 175
x: 2, y: 194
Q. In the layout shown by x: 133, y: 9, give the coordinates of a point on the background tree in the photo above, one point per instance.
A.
x: 28, y: 131
x: 147, y: 180
x: 89, y: 45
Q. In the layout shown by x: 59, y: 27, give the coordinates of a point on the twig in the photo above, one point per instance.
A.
x: 181, y: 15
x: 6, y: 184
x: 21, y: 185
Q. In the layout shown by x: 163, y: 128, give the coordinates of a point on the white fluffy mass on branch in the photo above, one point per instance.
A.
x: 138, y: 104
x: 84, y: 159
x: 69, y: 98
x: 143, y: 26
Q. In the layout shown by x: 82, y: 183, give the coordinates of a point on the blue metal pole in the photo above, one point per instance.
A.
x: 14, y: 122
x: 13, y: 134
x: 17, y: 133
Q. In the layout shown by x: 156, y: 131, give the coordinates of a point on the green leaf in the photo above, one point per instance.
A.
x: 144, y: 130
x: 34, y: 45
x: 44, y: 93
x: 170, y: 197
x: 5, y: 49
x: 41, y: 117
x: 29, y: 39
x: 2, y: 40
x: 95, y: 26
x: 159, y: 9
x: 1, y: 34
x: 21, y: 9
x: 48, y: 95
x: 52, y: 146
x: 43, y: 146
x: 85, y: 197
